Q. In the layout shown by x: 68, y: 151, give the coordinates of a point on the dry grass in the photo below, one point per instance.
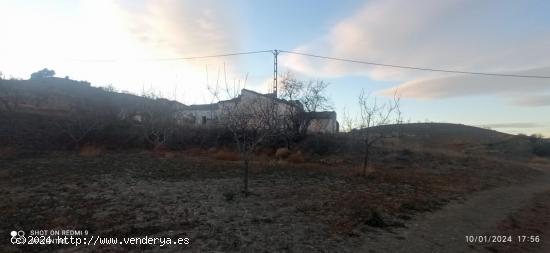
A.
x: 170, y: 154
x: 296, y: 157
x: 265, y: 152
x: 195, y: 151
x: 539, y: 162
x: 369, y: 171
x: 226, y: 155
x: 288, y: 200
x: 91, y: 151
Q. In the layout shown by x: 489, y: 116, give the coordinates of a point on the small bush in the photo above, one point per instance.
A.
x: 91, y: 151
x: 376, y: 220
x: 324, y: 144
x: 542, y: 148
x: 212, y: 150
x: 282, y: 153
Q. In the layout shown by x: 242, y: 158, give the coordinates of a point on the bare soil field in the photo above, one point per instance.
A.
x: 303, y: 207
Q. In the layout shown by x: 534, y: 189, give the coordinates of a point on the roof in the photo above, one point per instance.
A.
x: 272, y: 96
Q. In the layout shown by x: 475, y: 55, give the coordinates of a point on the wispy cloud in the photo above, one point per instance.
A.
x: 182, y: 27
x: 171, y: 29
x: 470, y: 85
x: 533, y: 100
x: 482, y: 36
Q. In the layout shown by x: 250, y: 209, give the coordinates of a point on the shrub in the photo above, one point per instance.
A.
x: 282, y: 153
x: 118, y: 134
x: 542, y: 148
x: 323, y: 144
x: 376, y: 220
x: 212, y: 150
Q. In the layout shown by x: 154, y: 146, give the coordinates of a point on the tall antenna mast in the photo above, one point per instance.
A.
x: 275, y: 54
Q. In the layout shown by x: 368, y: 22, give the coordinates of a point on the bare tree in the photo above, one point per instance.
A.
x: 312, y: 97
x: 293, y: 121
x: 79, y: 125
x: 291, y: 88
x: 348, y: 122
x: 374, y: 114
x: 250, y: 120
x: 157, y: 119
x: 10, y: 96
x: 109, y: 88
x: 250, y: 123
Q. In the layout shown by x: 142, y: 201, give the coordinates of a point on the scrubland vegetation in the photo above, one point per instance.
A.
x: 117, y: 177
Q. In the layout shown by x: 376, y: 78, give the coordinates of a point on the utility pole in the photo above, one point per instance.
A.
x: 275, y: 54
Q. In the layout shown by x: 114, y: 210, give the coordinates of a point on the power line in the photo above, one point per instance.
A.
x: 181, y: 58
x: 414, y: 68
x: 209, y: 56
x: 328, y: 58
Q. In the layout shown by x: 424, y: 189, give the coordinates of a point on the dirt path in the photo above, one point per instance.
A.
x: 445, y: 230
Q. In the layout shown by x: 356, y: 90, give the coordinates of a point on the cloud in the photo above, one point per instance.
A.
x: 470, y: 85
x: 171, y: 29
x: 533, y: 100
x: 182, y: 27
x: 131, y: 32
x: 480, y: 36
x: 75, y: 36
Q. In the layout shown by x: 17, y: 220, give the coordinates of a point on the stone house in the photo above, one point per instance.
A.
x: 209, y: 114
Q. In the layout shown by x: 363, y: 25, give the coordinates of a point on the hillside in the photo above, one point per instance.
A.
x: 444, y: 130
x: 46, y: 113
x: 60, y: 96
x: 459, y: 138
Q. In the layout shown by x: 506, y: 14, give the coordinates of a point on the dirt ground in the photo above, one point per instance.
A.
x: 530, y: 221
x: 487, y: 213
x: 306, y: 207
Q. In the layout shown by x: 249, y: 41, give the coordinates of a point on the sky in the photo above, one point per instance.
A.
x: 126, y: 43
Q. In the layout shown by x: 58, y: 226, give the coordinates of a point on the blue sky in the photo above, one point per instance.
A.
x: 491, y: 36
